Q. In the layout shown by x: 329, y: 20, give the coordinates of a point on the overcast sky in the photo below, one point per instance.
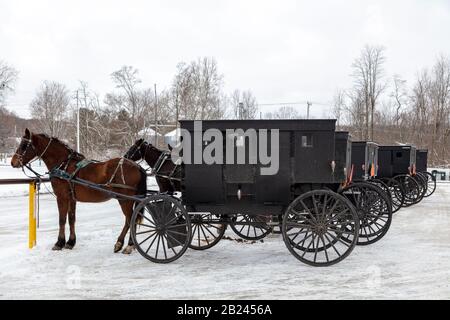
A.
x: 284, y: 51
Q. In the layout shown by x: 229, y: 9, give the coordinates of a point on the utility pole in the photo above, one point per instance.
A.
x: 78, y: 125
x: 241, y: 110
x: 309, y: 104
x: 156, y: 118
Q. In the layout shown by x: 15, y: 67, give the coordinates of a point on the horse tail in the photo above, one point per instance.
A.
x: 141, y: 190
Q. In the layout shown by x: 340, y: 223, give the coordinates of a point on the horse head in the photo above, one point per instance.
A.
x: 137, y: 150
x: 26, y: 150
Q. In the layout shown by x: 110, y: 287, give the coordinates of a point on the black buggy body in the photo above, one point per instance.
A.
x: 422, y: 160
x: 396, y: 160
x: 364, y: 160
x: 306, y: 154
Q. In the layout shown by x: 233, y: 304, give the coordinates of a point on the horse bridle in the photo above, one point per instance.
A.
x: 138, y: 148
x: 30, y: 143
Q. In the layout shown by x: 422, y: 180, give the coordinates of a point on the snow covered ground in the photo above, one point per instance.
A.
x: 411, y: 262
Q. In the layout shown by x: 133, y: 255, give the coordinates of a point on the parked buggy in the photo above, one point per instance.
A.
x: 357, y: 162
x: 319, y: 226
x: 397, y: 165
x: 422, y: 169
x: 365, y: 168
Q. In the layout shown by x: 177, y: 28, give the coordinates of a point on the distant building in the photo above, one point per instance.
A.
x: 172, y: 137
x: 148, y: 134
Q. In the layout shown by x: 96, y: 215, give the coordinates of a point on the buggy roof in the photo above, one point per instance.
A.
x: 405, y: 147
x: 284, y: 125
x: 343, y: 135
x: 363, y: 143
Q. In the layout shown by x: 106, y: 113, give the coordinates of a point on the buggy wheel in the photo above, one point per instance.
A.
x: 206, y: 232
x: 397, y: 193
x: 422, y: 181
x: 314, y: 225
x: 250, y: 227
x: 374, y: 210
x: 411, y: 188
x: 160, y: 228
x: 431, y: 182
x: 383, y: 186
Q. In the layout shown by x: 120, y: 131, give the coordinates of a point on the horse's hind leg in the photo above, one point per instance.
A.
x: 127, y: 209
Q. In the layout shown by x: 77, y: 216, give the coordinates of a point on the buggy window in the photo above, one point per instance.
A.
x: 307, y: 141
x: 399, y: 154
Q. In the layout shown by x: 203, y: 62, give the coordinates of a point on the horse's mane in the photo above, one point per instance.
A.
x: 75, y: 154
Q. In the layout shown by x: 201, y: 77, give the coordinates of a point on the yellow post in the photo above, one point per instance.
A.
x: 32, y: 217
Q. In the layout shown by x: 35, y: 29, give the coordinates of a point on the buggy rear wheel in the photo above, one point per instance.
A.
x: 397, y: 193
x: 431, y: 181
x: 315, y: 224
x: 374, y: 209
x: 411, y: 188
x: 160, y: 228
x: 251, y: 227
x: 206, y: 231
x: 422, y: 181
x: 383, y: 186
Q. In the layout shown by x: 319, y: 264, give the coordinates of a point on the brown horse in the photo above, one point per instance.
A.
x: 168, y: 175
x: 117, y: 175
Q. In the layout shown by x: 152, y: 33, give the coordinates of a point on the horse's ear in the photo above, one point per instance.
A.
x: 170, y: 147
x: 27, y: 133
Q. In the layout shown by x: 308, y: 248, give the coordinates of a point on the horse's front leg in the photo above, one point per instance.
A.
x: 62, y: 208
x: 72, y: 237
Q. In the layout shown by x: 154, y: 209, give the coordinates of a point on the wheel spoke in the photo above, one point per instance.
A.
x: 151, y: 244
x: 154, y: 232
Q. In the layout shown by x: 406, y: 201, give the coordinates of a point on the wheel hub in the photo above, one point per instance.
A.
x: 321, y: 229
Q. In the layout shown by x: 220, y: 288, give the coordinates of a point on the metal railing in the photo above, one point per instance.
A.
x: 22, y: 181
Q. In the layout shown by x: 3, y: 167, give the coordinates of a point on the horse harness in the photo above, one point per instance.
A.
x: 83, y: 163
x: 171, y: 175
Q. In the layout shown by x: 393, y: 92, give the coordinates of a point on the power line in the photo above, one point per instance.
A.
x: 294, y: 103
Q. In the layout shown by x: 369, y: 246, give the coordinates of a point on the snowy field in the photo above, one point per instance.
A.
x: 411, y: 262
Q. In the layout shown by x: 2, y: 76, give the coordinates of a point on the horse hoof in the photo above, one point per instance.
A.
x: 118, y: 246
x: 70, y: 244
x: 128, y: 250
x: 56, y: 248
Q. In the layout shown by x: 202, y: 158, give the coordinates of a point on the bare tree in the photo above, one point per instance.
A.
x: 244, y: 105
x: 93, y: 132
x: 132, y: 104
x: 399, y: 96
x: 50, y: 107
x: 8, y: 78
x: 196, y: 91
x: 355, y: 112
x: 339, y: 105
x: 440, y: 101
x: 367, y: 73
x: 285, y: 112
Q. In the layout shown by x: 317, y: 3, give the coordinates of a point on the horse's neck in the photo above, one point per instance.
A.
x: 54, y: 156
x: 152, y: 156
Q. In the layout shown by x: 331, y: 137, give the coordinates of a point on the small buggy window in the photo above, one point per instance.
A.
x: 399, y: 154
x: 307, y: 141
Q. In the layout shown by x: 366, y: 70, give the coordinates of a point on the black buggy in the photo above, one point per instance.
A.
x: 370, y: 196
x: 421, y: 169
x: 308, y: 198
x: 397, y: 166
